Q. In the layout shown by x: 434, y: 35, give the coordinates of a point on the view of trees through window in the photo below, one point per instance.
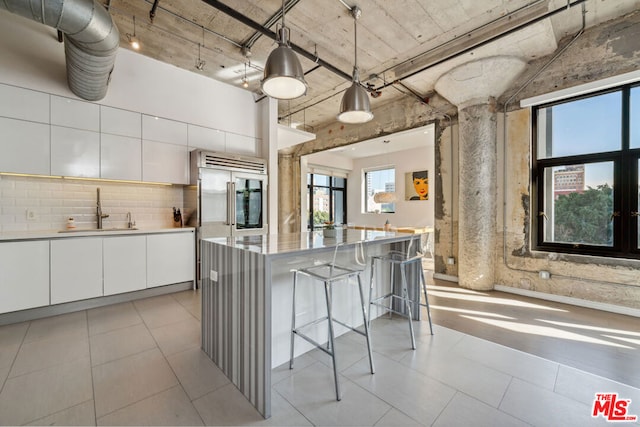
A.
x: 586, y: 174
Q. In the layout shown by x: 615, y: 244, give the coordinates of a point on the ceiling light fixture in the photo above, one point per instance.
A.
x: 200, y: 63
x: 384, y: 197
x: 245, y: 82
x: 133, y: 40
x: 355, y: 106
x: 283, y: 75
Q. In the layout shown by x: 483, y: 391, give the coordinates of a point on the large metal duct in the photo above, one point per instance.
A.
x: 91, y: 39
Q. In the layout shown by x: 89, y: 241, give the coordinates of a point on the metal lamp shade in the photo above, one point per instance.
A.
x: 355, y: 106
x: 283, y: 75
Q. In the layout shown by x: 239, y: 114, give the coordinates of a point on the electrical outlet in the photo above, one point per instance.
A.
x: 544, y: 274
x: 451, y: 260
x: 31, y: 215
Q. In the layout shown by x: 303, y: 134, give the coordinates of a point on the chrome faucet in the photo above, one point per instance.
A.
x: 99, y: 213
x: 130, y: 223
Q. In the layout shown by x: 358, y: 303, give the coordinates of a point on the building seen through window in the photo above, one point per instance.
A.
x: 585, y: 174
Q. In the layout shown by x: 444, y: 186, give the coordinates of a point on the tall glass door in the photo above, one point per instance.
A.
x: 249, y: 201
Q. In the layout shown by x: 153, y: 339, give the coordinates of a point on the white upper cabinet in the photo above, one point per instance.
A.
x: 24, y: 104
x: 24, y: 147
x: 240, y: 144
x: 120, y: 157
x: 206, y: 138
x: 164, y: 130
x: 120, y: 122
x: 165, y: 162
x: 75, y: 114
x: 75, y: 152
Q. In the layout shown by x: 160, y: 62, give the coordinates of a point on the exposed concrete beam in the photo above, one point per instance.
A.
x: 395, y: 116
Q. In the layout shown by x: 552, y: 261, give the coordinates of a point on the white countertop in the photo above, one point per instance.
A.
x: 58, y: 234
x: 279, y: 244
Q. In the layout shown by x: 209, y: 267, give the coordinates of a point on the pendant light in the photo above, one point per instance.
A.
x: 355, y: 106
x: 283, y: 75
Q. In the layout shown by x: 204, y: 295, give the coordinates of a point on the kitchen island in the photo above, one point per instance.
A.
x: 247, y: 299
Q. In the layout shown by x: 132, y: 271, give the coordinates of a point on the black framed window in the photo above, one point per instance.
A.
x: 327, y: 198
x: 585, y: 174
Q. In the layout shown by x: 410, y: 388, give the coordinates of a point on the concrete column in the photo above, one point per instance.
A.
x: 473, y: 88
x: 477, y: 197
x: 288, y: 196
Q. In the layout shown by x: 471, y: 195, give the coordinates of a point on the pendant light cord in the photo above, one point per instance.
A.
x: 355, y: 12
x: 283, y: 25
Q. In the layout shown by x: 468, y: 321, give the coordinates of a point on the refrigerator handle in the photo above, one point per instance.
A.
x: 232, y: 203
x: 229, y: 205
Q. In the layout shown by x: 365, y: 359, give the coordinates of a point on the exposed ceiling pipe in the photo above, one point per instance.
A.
x: 152, y: 12
x: 267, y: 32
x: 90, y: 44
x: 484, y: 42
x: 457, y: 53
x: 247, y: 45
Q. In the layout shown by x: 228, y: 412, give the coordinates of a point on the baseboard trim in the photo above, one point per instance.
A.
x: 570, y: 300
x: 69, y: 307
x: 446, y: 277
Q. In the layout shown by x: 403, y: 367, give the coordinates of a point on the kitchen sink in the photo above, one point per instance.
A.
x: 78, y: 230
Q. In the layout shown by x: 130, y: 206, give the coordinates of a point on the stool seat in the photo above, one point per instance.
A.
x: 328, y: 273
x: 401, y: 260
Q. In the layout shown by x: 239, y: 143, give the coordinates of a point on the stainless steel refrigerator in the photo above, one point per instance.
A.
x: 227, y: 196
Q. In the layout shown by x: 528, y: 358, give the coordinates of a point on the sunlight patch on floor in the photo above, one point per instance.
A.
x: 591, y: 328
x: 492, y: 300
x: 544, y: 331
x: 462, y: 310
x: 456, y: 290
x: 629, y: 340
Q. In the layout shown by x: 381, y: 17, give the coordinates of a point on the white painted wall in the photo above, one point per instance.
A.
x: 408, y: 213
x: 31, y: 57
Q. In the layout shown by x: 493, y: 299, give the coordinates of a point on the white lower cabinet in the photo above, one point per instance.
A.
x: 76, y: 269
x: 24, y: 275
x: 125, y: 266
x: 170, y: 258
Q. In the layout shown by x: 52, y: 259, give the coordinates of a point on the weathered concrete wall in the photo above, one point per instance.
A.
x: 607, y: 50
x: 446, y: 198
x: 288, y: 193
x: 606, y: 280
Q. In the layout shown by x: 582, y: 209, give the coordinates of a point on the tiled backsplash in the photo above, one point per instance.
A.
x: 51, y: 201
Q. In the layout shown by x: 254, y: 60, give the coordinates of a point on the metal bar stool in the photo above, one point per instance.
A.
x: 401, y: 260
x: 328, y: 273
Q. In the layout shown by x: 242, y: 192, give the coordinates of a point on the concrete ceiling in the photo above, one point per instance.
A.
x: 403, y: 41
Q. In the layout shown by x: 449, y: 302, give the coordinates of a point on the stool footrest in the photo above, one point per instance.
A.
x: 313, y: 322
x: 350, y: 327
x: 312, y: 341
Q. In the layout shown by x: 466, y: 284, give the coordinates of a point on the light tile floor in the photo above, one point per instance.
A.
x: 139, y: 363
